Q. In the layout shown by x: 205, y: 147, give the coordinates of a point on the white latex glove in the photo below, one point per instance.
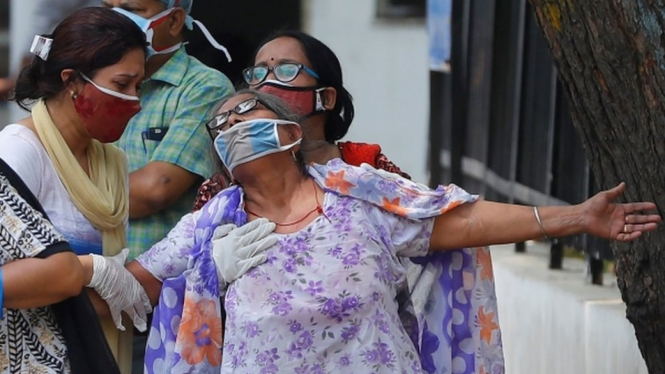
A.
x: 237, y: 250
x: 121, y: 291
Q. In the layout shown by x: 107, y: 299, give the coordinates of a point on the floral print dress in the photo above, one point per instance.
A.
x: 325, y: 299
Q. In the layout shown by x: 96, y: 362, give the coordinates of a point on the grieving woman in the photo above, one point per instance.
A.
x: 311, y: 272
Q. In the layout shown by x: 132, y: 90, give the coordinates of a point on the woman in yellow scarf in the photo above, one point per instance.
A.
x: 84, y: 83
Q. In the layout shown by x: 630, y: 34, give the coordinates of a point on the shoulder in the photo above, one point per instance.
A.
x: 18, y: 142
x: 21, y: 149
x: 14, y: 131
x: 200, y: 76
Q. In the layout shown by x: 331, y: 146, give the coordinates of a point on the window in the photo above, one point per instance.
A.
x: 401, y: 8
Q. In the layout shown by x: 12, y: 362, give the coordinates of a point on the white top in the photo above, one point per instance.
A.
x: 22, y: 150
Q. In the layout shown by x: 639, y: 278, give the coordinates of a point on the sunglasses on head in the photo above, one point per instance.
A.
x: 284, y: 72
x: 220, y: 122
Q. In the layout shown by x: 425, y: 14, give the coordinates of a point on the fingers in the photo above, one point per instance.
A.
x: 146, y: 302
x: 121, y: 257
x: 638, y: 207
x: 249, y: 264
x: 223, y: 230
x: 642, y: 218
x: 258, y: 232
x: 257, y: 247
x: 139, y: 316
x: 626, y: 237
x: 615, y: 192
x: 641, y: 227
x: 117, y: 319
x: 251, y: 226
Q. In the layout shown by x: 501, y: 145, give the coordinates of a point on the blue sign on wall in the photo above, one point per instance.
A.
x: 438, y: 28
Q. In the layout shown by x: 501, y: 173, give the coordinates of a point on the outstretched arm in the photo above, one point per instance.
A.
x: 485, y: 223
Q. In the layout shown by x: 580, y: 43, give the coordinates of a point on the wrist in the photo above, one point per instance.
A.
x: 88, y: 268
x: 579, y: 220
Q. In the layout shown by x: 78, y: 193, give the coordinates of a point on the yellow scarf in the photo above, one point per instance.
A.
x: 103, y: 197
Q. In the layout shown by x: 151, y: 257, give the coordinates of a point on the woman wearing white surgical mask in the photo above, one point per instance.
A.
x: 310, y: 274
x: 82, y: 89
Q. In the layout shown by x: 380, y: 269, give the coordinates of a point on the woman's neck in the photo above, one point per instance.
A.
x: 318, y: 150
x: 321, y: 152
x: 67, y: 121
x: 270, y: 191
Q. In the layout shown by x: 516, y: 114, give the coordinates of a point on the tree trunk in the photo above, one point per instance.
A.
x: 611, y: 60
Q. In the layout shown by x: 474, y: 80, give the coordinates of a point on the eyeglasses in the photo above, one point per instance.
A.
x: 285, y: 72
x: 221, y: 121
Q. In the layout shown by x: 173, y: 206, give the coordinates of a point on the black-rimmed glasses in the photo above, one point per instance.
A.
x: 220, y: 122
x: 284, y: 72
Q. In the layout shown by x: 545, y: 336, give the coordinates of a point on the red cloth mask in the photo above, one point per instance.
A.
x: 105, y: 113
x: 304, y: 101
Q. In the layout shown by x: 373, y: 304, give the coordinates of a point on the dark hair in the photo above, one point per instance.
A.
x: 275, y: 105
x: 272, y: 102
x: 87, y: 40
x: 327, y: 66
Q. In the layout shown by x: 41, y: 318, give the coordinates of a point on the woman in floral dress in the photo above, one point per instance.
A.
x: 324, y: 299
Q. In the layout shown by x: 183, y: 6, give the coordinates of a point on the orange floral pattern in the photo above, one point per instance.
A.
x: 200, y: 334
x: 487, y: 325
x: 389, y: 191
x: 485, y: 263
x: 393, y: 206
x: 336, y: 182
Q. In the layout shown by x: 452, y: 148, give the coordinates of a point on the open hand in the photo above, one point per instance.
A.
x: 623, y: 222
x: 121, y: 291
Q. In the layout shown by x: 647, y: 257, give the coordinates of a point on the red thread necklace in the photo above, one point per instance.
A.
x: 318, y: 209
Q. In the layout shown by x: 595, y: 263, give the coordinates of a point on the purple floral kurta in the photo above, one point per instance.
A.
x: 325, y: 299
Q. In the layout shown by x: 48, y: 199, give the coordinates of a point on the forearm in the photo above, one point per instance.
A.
x: 157, y: 186
x: 145, y: 198
x: 151, y: 285
x: 485, y: 223
x: 37, y: 282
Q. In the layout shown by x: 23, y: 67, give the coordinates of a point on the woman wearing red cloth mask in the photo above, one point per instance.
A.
x: 307, y: 75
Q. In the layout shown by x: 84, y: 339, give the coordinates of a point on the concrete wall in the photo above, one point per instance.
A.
x: 553, y: 322
x: 385, y: 66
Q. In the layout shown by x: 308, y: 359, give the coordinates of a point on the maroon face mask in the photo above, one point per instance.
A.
x: 105, y: 113
x: 304, y: 101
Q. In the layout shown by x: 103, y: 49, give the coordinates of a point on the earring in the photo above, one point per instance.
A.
x: 72, y: 94
x: 294, y: 156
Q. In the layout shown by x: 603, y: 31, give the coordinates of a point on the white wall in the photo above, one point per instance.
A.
x: 552, y: 322
x: 385, y: 65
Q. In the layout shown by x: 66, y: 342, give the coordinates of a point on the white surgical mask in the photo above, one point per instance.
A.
x: 250, y: 140
x: 147, y: 25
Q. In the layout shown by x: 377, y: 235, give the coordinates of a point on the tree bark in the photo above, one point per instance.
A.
x: 611, y: 60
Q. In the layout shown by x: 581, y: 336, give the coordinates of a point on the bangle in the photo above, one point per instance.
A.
x: 2, y: 295
x: 540, y: 223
